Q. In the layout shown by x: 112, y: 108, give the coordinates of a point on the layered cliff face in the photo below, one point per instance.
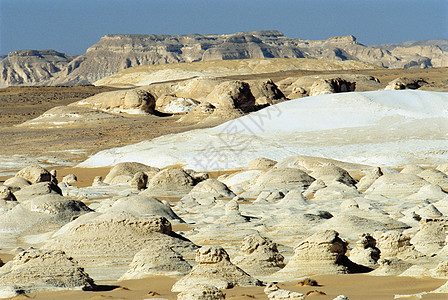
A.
x: 28, y: 67
x: 116, y: 52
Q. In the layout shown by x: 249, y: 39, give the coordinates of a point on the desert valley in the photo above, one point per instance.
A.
x: 239, y: 166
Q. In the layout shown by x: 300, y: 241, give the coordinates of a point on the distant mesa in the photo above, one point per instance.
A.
x: 116, y: 52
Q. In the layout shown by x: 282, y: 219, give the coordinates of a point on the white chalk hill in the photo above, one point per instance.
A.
x: 378, y: 128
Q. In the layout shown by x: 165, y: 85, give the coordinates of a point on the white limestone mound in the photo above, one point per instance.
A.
x: 412, y: 169
x: 394, y: 244
x: 140, y: 205
x: 41, y: 213
x: 431, y: 237
x: 211, y: 188
x: 330, y: 173
x: 175, y: 105
x: 232, y: 213
x: 293, y: 198
x: 105, y: 244
x: 214, y: 268
x: 274, y: 292
x: 37, y: 270
x: 156, y: 260
x: 336, y: 190
x: 435, y: 177
x: 343, y: 126
x: 34, y: 174
x: 133, y: 101
x: 16, y: 183
x: 365, y: 253
x: 129, y: 169
x: 366, y: 181
x: 341, y: 297
x: 240, y: 181
x: 261, y: 163
x: 37, y: 189
x: 349, y: 205
x: 321, y: 253
x: 260, y: 256
x: 201, y: 292
x: 281, y: 179
x: 398, y: 185
x: 169, y: 182
x: 428, y: 192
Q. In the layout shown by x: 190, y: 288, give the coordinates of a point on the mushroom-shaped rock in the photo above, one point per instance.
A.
x: 34, y: 174
x: 321, y: 253
x: 260, y: 256
x: 366, y: 181
x: 330, y: 172
x: 365, y: 253
x: 211, y: 188
x: 431, y: 236
x: 214, y: 268
x: 232, y: 213
x: 201, y: 292
x: 140, y: 205
x: 37, y: 270
x: 170, y: 182
x: 261, y: 163
x: 129, y: 169
x: 232, y: 94
x: 113, y: 239
x: 394, y: 244
x: 156, y: 260
x: 397, y: 185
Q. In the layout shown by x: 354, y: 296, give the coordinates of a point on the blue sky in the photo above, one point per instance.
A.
x: 72, y: 26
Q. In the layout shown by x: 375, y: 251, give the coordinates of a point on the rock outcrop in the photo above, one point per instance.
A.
x: 37, y: 270
x: 260, y: 256
x: 321, y: 253
x: 214, y: 268
x: 29, y: 67
x: 156, y: 260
